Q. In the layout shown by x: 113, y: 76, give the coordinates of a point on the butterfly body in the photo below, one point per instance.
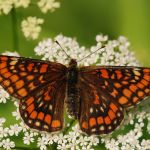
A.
x: 73, y: 97
x: 97, y: 96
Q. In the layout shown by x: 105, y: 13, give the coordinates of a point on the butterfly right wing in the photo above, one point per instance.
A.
x: 109, y: 91
x: 40, y: 87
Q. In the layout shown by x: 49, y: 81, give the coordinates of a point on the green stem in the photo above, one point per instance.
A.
x: 14, y: 30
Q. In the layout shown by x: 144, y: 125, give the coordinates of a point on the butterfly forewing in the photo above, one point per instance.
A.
x: 40, y: 86
x: 109, y: 90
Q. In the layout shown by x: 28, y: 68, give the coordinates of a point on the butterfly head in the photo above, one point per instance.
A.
x: 73, y: 63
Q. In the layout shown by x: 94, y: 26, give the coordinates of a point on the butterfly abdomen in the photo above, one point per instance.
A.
x: 72, y: 100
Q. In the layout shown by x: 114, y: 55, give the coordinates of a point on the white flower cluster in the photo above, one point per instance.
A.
x: 44, y: 5
x: 48, y: 5
x: 115, y: 52
x: 7, y: 5
x: 21, y: 3
x: 31, y: 27
x: 72, y: 137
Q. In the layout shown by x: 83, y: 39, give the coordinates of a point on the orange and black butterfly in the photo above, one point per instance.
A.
x: 96, y: 96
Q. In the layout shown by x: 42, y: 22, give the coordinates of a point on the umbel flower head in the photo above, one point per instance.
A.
x: 115, y: 52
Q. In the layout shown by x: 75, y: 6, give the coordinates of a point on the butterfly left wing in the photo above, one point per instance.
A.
x: 109, y: 91
x: 40, y: 86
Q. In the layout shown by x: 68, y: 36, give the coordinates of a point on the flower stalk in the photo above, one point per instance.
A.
x: 15, y: 30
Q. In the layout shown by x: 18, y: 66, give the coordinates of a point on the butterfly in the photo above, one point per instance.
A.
x: 97, y: 96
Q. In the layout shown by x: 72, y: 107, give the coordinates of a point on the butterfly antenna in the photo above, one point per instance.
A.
x: 62, y: 49
x: 91, y: 53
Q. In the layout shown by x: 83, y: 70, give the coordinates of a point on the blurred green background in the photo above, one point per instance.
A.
x: 84, y: 19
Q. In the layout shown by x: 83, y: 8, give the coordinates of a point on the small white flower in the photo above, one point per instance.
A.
x: 62, y: 146
x: 16, y: 114
x: 21, y: 3
x: 2, y: 121
x: 28, y: 138
x: 31, y: 27
x: 5, y: 6
x: 7, y: 144
x: 3, y: 132
x: 145, y: 144
x: 41, y: 143
x: 14, y: 130
x: 3, y: 95
x: 48, y: 5
x: 101, y: 38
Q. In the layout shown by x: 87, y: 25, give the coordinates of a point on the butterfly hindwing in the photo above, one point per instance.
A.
x: 40, y: 86
x: 43, y: 110
x: 99, y: 114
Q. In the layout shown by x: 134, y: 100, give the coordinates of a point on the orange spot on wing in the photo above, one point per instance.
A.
x: 123, y: 100
x: 40, y: 115
x: 146, y: 70
x: 22, y: 92
x: 48, y: 119
x: 118, y: 73
x: 127, y: 93
x: 30, y: 77
x: 140, y: 93
x: 111, y: 114
x: 23, y: 74
x: 3, y: 65
x: 3, y: 58
x: 1, y: 79
x: 114, y: 93
x: 113, y: 107
x: 33, y: 115
x: 85, y: 125
x: 6, y: 82
x: 92, y: 122
x: 104, y: 73
x: 30, y: 67
x: 10, y: 90
x: 117, y: 85
x: 96, y: 100
x: 32, y: 86
x: 30, y: 108
x: 4, y: 70
x: 140, y: 85
x: 113, y: 76
x: 135, y: 99
x: 19, y: 84
x: 147, y: 77
x: 125, y: 82
x: 43, y: 68
x: 107, y: 120
x: 7, y: 75
x: 29, y: 101
x: 100, y: 120
x: 144, y: 82
x: 147, y: 90
x: 133, y: 88
x: 55, y: 124
x: 14, y: 78
x: 47, y: 97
